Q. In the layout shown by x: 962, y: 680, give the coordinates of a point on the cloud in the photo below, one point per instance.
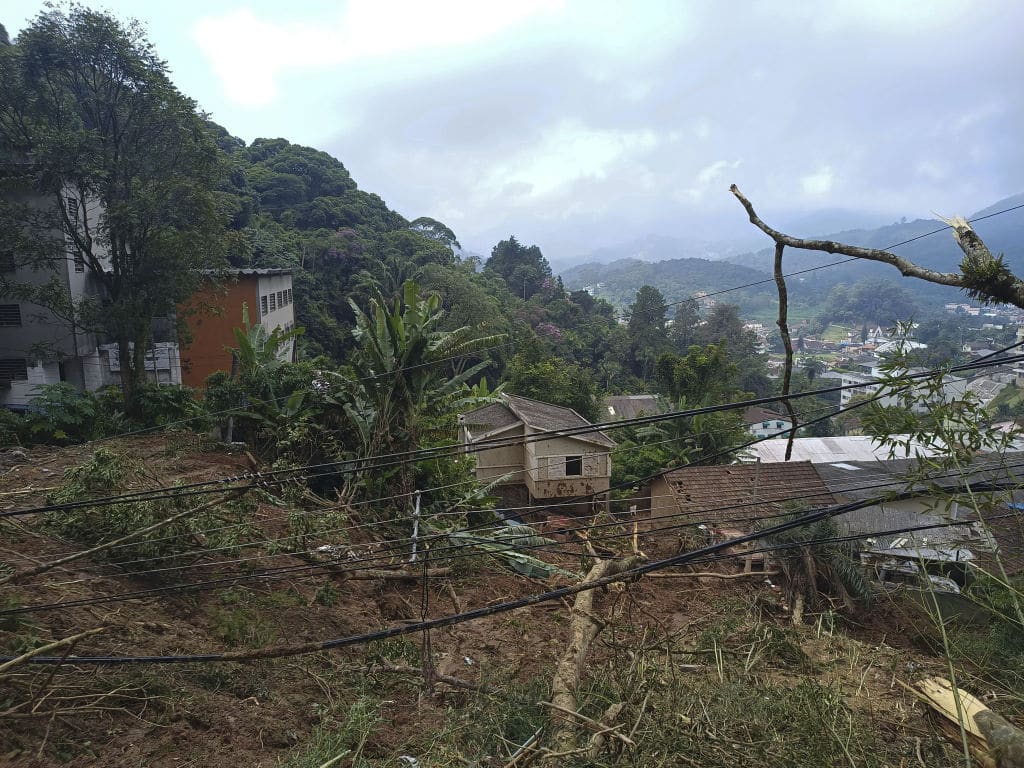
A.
x: 249, y: 53
x: 818, y: 183
x: 584, y: 123
x: 565, y: 154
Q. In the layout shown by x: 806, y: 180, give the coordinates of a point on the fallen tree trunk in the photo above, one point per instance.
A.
x: 585, y: 626
x: 993, y: 741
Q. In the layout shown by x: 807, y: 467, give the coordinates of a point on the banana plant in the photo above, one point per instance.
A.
x: 409, y: 376
x: 259, y: 357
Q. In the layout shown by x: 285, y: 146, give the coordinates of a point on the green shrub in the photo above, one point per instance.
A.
x: 13, y: 428
x: 108, y: 473
x: 61, y: 414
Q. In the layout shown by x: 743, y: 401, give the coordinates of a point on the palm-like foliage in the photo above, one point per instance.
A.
x: 409, y: 375
x: 815, y: 569
x: 259, y: 355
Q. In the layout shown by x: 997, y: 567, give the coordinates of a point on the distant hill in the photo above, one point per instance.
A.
x: 655, y: 248
x: 680, y: 277
x: 675, y: 278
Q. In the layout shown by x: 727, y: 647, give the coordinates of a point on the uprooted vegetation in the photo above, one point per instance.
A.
x: 678, y: 669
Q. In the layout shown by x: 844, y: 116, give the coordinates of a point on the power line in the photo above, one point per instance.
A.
x: 402, y: 457
x: 401, y: 544
x: 499, y: 346
x: 443, y: 552
x: 833, y: 263
x: 696, y: 555
x: 424, y: 491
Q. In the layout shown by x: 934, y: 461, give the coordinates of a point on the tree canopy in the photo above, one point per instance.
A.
x: 94, y: 124
x: 524, y: 269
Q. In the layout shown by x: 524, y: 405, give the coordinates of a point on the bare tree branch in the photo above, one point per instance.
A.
x: 982, y: 275
x: 783, y: 323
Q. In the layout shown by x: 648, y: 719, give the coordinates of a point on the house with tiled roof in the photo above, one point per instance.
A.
x: 724, y: 501
x: 537, y: 453
x: 736, y: 495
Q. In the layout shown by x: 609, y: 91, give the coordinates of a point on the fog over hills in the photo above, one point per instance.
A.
x: 680, y: 268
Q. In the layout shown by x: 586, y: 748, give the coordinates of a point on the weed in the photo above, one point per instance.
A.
x: 396, y: 649
x: 327, y: 595
x: 343, y: 734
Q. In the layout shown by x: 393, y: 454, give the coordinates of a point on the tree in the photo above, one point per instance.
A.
x: 523, y: 269
x: 813, y: 570
x: 871, y: 301
x: 553, y: 381
x: 406, y: 375
x: 94, y: 124
x: 646, y: 329
x: 683, y: 330
x: 725, y: 326
x: 703, y: 376
x: 435, y: 230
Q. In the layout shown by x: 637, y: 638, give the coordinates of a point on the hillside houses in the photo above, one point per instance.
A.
x: 914, y: 517
x: 538, y: 453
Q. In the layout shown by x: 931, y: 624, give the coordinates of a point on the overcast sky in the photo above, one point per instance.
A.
x: 576, y: 124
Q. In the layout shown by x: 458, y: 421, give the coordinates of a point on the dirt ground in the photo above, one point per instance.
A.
x: 257, y: 713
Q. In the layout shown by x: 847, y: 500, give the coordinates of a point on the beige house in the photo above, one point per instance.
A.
x: 530, y: 446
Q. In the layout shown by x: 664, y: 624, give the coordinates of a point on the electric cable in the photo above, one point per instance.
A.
x: 457, y: 448
x: 477, y: 613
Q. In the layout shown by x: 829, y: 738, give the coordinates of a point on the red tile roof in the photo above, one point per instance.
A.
x: 738, y: 493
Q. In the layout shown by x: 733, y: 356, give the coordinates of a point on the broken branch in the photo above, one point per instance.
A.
x: 982, y: 275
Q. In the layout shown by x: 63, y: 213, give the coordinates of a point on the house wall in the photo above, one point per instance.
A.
x: 283, y: 314
x: 496, y: 462
x: 546, y: 476
x: 212, y: 314
x: 52, y: 350
x: 775, y: 427
x: 662, y: 502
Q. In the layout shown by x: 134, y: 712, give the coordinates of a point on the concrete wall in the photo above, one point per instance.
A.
x: 20, y: 393
x: 662, y: 502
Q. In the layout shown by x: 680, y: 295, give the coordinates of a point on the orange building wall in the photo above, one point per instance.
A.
x: 212, y: 314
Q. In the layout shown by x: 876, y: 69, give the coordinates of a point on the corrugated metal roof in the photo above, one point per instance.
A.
x: 821, y: 450
x: 630, y: 406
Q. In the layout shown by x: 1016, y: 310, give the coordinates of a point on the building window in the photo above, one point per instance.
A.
x: 72, y: 206
x: 288, y: 295
x: 280, y: 298
x: 7, y: 261
x: 273, y: 302
x: 573, y: 466
x: 79, y: 259
x: 13, y: 369
x: 10, y: 315
x: 263, y: 305
x: 765, y: 425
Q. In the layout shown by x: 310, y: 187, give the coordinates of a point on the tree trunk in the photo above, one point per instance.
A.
x: 585, y: 627
x: 798, y: 609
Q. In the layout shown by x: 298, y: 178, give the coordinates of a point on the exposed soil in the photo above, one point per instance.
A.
x: 256, y: 713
